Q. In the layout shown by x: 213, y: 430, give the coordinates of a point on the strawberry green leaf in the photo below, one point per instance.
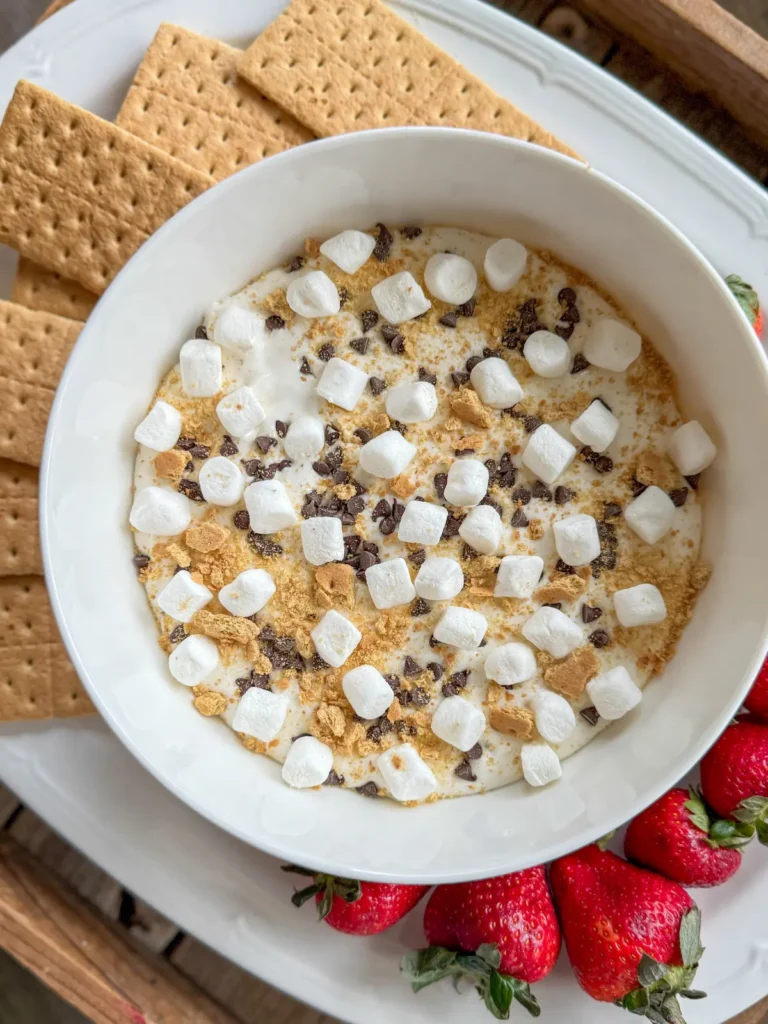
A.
x: 752, y: 810
x: 692, y: 993
x: 423, y: 967
x: 498, y: 995
x: 697, y: 810
x: 295, y: 869
x: 730, y: 834
x: 603, y: 841
x: 649, y: 971
x: 489, y: 953
x: 745, y: 295
x: 690, y: 942
x: 762, y: 832
x: 300, y: 897
x: 526, y: 998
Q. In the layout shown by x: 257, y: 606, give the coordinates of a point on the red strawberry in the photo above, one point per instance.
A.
x: 748, y: 299
x: 734, y: 775
x: 757, y: 698
x: 502, y: 933
x: 357, y: 908
x: 632, y: 936
x: 676, y: 837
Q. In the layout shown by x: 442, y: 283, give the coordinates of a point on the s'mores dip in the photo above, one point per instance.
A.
x: 417, y: 513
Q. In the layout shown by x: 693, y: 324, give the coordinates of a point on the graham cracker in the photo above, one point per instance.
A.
x: 38, y: 288
x: 79, y: 195
x: 187, y: 100
x: 37, y: 679
x: 34, y: 347
x: 19, y: 538
x: 344, y: 65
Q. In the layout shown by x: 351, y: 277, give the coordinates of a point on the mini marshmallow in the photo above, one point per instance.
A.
x: 461, y: 627
x: 160, y: 428
x: 518, y: 575
x: 450, y: 278
x: 482, y: 529
x: 269, y: 506
x: 405, y: 775
x: 221, y: 481
x: 386, y: 455
x: 504, y: 264
x: 614, y: 693
x: 642, y: 605
x: 160, y: 510
x: 342, y: 383
x: 596, y: 427
x: 422, y: 523
x: 367, y: 691
x: 510, y: 664
x: 400, y: 298
x: 439, y: 579
x: 322, y: 540
x: 458, y: 722
x: 305, y: 438
x: 612, y: 345
x: 552, y: 631
x: 691, y: 449
x: 313, y: 294
x: 576, y: 539
x: 335, y: 637
x: 540, y: 763
x: 547, y: 454
x: 389, y: 583
x: 182, y: 597
x: 554, y: 716
x: 547, y: 354
x: 412, y: 403
x: 651, y: 514
x: 467, y: 482
x: 495, y: 383
x: 239, y: 329
x: 193, y: 660
x: 308, y: 763
x: 200, y: 362
x: 240, y: 411
x: 248, y: 592
x: 260, y: 713
x: 349, y: 250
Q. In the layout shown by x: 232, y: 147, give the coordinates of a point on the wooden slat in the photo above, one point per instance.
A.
x: 8, y: 804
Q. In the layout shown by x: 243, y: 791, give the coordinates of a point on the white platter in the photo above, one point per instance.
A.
x: 85, y: 784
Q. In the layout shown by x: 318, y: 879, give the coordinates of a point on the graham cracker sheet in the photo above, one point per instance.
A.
x: 344, y: 65
x: 38, y: 288
x: 34, y: 347
x: 19, y: 532
x: 37, y: 679
x: 188, y: 100
x: 79, y: 195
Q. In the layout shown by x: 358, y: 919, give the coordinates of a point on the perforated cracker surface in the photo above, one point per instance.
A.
x: 45, y: 290
x: 19, y: 537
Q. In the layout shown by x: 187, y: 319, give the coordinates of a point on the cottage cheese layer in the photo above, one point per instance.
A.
x: 342, y: 556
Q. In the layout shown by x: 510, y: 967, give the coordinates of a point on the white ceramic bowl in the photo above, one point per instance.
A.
x: 257, y: 219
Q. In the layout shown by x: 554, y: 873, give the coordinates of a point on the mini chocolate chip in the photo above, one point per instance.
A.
x: 305, y: 367
x: 201, y: 332
x: 440, y: 482
x: 611, y: 509
x: 200, y: 451
x: 410, y: 231
x: 531, y: 423
x: 334, y: 779
x: 419, y: 697
x: 355, y: 505
x: 296, y: 264
x: 251, y: 466
x: 424, y: 374
x: 387, y: 526
x: 369, y: 318
x: 449, y: 319
x: 266, y: 547
x: 419, y: 608
x: 570, y: 315
x: 553, y: 604
x: 398, y: 510
x: 491, y: 353
x: 467, y: 308
x: 588, y: 455
x: 389, y: 333
x: 459, y: 378
x: 599, y: 638
x: 274, y: 323
x: 694, y: 481
x: 141, y: 561
x: 604, y: 464
x: 326, y: 352
x: 590, y: 715
x: 566, y: 296
x: 417, y: 558
x: 228, y: 446
x: 487, y: 500
x: 679, y: 497
x: 321, y: 468
x: 368, y: 789
x: 540, y: 490
x: 474, y: 753
x: 374, y: 733
x: 382, y: 508
x: 191, y: 489
x: 522, y: 495
x: 366, y: 560
x: 383, y: 243
x: 177, y: 634
x: 404, y: 697
x: 436, y: 669
x: 371, y: 546
x: 637, y: 488
x: 510, y: 340
x: 241, y: 519
x: 258, y: 679
x: 589, y: 614
x: 190, y: 467
x: 363, y: 434
x: 185, y: 443
x: 341, y: 476
x: 464, y: 771
x: 468, y: 553
x: 398, y: 345
x: 464, y: 451
x: 377, y: 385
x: 565, y: 331
x: 411, y: 667
x: 434, y: 643
x: 316, y: 663
x: 343, y: 297
x: 265, y: 443
x: 564, y: 568
x: 508, y: 478
x: 472, y: 362
x: 359, y: 345
x: 332, y: 435
x: 580, y: 363
x: 393, y: 682
x: 519, y: 519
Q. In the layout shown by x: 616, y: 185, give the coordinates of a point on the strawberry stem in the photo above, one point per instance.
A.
x: 347, y: 889
x: 745, y: 295
x: 720, y: 832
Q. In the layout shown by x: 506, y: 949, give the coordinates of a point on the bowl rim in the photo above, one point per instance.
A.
x: 298, y: 154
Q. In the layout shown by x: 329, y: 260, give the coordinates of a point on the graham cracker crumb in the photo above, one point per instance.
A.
x: 205, y: 536
x: 512, y: 721
x: 210, y: 703
x: 344, y: 491
x: 179, y: 555
x: 251, y: 743
x: 402, y: 486
x: 277, y: 304
x: 231, y: 628
x: 563, y: 588
x: 337, y: 582
x: 570, y: 677
x: 468, y: 443
x: 332, y: 718
x: 260, y: 663
x: 655, y: 469
x: 536, y: 529
x: 467, y: 406
x: 170, y: 465
x: 312, y: 248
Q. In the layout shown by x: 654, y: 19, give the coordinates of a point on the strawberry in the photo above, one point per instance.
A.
x: 757, y: 698
x: 502, y: 933
x: 357, y: 908
x: 748, y: 299
x: 632, y: 936
x: 676, y: 837
x: 734, y: 775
